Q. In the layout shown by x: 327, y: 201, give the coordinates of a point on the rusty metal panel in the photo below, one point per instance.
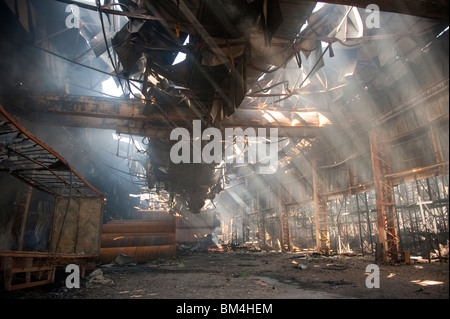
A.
x: 141, y: 240
x: 129, y: 240
x: 132, y: 226
x: 139, y: 254
x: 77, y: 225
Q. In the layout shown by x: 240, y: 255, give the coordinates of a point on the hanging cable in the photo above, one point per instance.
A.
x: 107, y: 47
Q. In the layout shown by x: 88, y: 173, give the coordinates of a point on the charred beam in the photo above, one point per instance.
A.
x: 128, y: 116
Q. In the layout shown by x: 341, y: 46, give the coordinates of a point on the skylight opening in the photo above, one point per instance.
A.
x: 442, y: 32
x: 318, y: 6
x: 181, y: 56
x: 261, y: 77
x: 135, y: 92
x: 128, y: 140
x: 110, y: 87
x: 304, y: 26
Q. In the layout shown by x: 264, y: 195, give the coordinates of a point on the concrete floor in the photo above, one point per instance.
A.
x: 254, y: 275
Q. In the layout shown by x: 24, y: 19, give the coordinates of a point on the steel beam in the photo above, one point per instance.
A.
x: 385, y: 200
x: 320, y: 212
x: 283, y: 214
x: 128, y: 116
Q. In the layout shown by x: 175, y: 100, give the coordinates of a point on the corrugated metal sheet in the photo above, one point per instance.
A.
x: 141, y: 240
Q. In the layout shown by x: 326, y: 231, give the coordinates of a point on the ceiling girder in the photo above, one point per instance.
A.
x: 127, y: 116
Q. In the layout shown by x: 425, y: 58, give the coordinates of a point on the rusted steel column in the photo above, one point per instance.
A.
x: 384, y: 192
x: 320, y: 213
x: 437, y: 147
x: 261, y: 223
x: 284, y: 222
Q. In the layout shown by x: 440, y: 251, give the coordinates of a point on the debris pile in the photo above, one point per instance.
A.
x: 97, y: 277
x: 209, y: 243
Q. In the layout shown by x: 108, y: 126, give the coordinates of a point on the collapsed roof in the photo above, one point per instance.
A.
x: 318, y: 75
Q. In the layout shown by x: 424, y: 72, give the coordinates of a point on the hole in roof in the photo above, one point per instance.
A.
x: 181, y: 56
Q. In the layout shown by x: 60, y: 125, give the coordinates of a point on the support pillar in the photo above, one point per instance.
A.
x: 384, y: 192
x: 320, y: 214
x: 434, y: 134
x: 261, y: 223
x: 284, y: 222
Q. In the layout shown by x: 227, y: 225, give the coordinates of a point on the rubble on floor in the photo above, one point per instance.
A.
x: 206, y: 244
x: 255, y: 275
x: 97, y: 277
